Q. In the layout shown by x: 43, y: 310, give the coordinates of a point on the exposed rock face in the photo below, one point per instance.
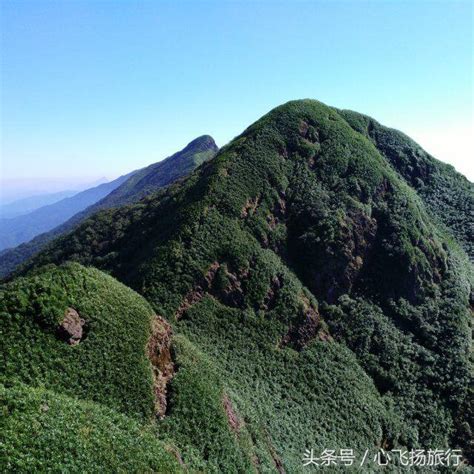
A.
x: 308, y: 327
x: 232, y: 417
x: 228, y: 288
x: 271, y: 296
x: 71, y: 327
x: 197, y: 293
x: 232, y: 293
x: 250, y: 206
x: 159, y: 353
x: 275, y: 457
x: 279, y: 212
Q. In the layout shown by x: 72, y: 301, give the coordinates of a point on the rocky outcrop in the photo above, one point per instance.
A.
x: 198, y: 291
x: 272, y: 293
x: 71, y: 329
x: 332, y: 266
x: 307, y: 328
x: 159, y: 353
x: 250, y: 206
x: 224, y: 285
x: 232, y: 417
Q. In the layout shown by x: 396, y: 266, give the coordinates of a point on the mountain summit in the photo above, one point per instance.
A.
x: 158, y: 175
x: 303, y: 291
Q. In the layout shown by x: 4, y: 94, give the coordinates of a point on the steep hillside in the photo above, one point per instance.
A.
x: 43, y: 430
x: 446, y: 193
x: 314, y: 302
x: 16, y: 230
x: 105, y: 362
x: 136, y: 185
x: 86, y: 309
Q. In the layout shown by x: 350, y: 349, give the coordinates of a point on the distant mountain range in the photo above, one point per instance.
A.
x: 16, y: 230
x: 14, y: 191
x: 29, y: 204
x: 64, y: 215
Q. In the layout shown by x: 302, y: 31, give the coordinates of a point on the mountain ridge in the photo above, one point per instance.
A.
x: 313, y: 300
x: 131, y: 188
x: 446, y: 192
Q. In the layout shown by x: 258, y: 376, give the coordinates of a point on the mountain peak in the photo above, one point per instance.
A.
x: 202, y: 143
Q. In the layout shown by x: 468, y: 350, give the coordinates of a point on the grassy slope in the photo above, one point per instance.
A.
x: 43, y: 431
x: 108, y: 366
x: 61, y: 403
x: 302, y: 199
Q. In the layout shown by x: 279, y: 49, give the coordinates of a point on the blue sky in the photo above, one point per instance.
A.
x: 93, y: 89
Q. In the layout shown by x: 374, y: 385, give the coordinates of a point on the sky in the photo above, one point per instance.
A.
x: 93, y: 89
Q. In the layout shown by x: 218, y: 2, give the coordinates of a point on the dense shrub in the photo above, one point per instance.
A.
x: 109, y: 365
x: 43, y: 431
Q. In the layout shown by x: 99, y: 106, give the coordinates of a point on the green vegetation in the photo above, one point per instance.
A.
x: 315, y: 303
x: 108, y: 365
x: 126, y: 189
x: 197, y: 418
x: 446, y: 193
x: 158, y: 175
x: 286, y: 400
x: 43, y: 431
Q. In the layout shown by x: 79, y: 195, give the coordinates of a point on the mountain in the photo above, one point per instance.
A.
x: 131, y: 188
x: 29, y: 204
x: 158, y: 175
x: 447, y: 194
x: 14, y: 231
x: 302, y: 296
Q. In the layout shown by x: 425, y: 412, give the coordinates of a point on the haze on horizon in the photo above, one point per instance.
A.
x: 93, y: 89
